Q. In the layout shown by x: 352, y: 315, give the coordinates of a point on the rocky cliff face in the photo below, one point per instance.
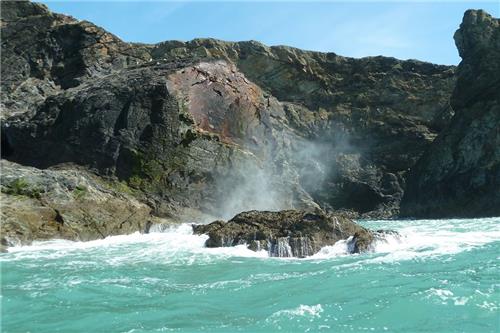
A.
x: 337, y: 130
x: 212, y: 126
x: 459, y: 175
x: 365, y: 121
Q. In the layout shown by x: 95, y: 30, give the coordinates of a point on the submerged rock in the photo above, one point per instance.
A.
x: 288, y: 233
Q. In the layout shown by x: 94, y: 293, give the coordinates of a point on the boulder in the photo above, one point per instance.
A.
x: 287, y: 233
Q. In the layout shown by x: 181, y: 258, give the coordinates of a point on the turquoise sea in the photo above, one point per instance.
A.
x: 439, y: 276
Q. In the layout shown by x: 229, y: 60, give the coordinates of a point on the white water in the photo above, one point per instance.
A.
x: 419, y: 238
x: 438, y: 276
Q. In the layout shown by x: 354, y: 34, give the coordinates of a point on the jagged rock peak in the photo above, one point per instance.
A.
x: 477, y: 31
x: 13, y: 10
x: 459, y: 175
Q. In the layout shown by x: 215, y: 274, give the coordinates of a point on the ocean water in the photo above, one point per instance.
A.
x: 440, y: 276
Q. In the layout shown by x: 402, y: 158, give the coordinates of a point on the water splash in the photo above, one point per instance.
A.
x: 169, y: 281
x: 423, y: 238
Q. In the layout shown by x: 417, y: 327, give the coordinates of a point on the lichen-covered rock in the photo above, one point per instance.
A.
x: 459, y: 175
x: 289, y: 233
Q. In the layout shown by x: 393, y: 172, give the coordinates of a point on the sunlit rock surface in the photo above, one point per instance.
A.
x: 66, y: 203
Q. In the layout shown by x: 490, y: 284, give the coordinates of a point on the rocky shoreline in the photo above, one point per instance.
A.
x: 65, y: 203
x: 101, y: 137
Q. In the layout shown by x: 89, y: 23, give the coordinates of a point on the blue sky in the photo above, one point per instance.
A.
x: 416, y: 30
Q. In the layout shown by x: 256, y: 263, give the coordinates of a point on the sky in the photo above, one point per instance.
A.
x: 405, y: 30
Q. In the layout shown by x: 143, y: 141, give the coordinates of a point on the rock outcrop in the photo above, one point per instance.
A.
x: 66, y: 203
x: 289, y: 233
x: 459, y: 175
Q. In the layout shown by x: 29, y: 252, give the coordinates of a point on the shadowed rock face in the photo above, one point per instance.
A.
x: 460, y: 173
x: 288, y: 233
x: 44, y: 52
x: 174, y: 118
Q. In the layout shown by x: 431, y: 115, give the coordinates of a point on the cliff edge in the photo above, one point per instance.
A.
x: 459, y: 175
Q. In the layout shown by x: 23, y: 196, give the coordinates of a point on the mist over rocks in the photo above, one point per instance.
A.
x: 206, y: 129
x: 376, y: 113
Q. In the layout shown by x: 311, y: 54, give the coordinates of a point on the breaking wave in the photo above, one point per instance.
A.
x: 419, y: 238
x: 168, y: 281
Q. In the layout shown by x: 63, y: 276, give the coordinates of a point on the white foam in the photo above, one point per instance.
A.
x: 419, y: 238
x: 300, y: 311
x: 444, y: 296
x: 422, y: 238
x: 175, y: 242
x: 428, y: 240
x: 340, y: 248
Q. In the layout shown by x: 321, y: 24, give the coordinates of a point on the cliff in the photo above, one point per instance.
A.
x: 216, y: 127
x: 459, y: 175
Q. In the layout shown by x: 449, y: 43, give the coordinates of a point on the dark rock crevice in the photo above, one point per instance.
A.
x: 6, y: 147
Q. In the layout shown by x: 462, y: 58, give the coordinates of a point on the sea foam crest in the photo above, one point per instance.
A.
x: 429, y: 238
x: 170, y: 244
x: 300, y: 311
